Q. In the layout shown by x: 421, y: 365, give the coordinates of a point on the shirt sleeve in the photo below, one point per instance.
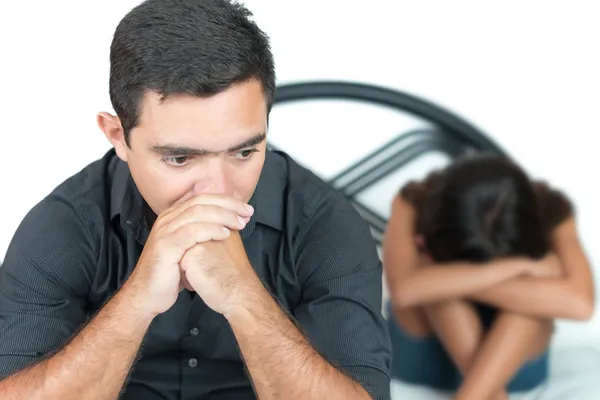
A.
x: 340, y: 312
x: 43, y: 285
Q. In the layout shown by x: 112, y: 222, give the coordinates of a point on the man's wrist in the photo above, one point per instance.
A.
x: 133, y: 304
x: 255, y: 301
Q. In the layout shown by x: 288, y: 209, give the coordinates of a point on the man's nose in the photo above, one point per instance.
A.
x: 218, y: 180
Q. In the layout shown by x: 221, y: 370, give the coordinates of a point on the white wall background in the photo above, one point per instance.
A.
x: 525, y: 72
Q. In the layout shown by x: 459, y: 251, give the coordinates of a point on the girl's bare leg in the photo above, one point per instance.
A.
x: 512, y: 340
x: 458, y: 327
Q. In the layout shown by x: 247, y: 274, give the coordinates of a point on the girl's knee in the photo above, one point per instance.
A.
x: 412, y: 321
x: 457, y: 313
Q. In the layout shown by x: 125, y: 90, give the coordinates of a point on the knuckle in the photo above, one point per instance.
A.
x: 191, y: 229
x: 218, y: 213
x: 212, y: 210
x: 196, y: 208
x: 219, y: 232
x: 197, y: 231
x: 185, y: 259
x: 160, y: 222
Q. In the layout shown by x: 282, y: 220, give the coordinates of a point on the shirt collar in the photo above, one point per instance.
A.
x: 120, y: 181
x: 127, y: 202
x: 268, y: 196
x: 136, y: 216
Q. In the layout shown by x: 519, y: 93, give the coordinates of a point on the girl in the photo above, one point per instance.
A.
x: 479, y: 260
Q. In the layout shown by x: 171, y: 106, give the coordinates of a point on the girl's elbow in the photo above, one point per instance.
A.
x: 584, y: 307
x: 403, y: 297
x: 402, y: 300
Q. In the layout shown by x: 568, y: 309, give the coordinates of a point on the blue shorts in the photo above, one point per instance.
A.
x: 424, y: 361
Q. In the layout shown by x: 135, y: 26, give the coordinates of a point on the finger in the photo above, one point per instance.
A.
x: 189, y: 235
x: 184, y: 283
x: 207, y: 214
x: 227, y: 202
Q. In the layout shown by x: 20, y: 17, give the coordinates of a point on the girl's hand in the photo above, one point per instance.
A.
x: 547, y: 267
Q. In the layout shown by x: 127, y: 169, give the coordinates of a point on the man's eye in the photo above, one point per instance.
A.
x: 177, y: 161
x: 245, y: 154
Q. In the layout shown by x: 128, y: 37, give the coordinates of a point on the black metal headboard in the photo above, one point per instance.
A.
x: 449, y: 134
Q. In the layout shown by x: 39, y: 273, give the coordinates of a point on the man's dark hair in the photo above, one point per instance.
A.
x: 197, y: 47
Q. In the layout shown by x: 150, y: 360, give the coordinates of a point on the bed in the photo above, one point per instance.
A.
x: 411, y: 137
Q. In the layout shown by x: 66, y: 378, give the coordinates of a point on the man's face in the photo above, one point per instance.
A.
x: 186, y: 145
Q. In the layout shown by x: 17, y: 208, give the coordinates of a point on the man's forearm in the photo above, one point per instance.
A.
x: 281, y: 362
x: 93, y: 365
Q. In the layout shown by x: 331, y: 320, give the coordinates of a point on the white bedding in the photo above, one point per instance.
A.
x: 574, y: 374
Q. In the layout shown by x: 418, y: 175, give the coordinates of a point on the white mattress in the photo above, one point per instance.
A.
x: 574, y: 374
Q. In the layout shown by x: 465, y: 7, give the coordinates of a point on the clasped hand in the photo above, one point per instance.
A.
x: 195, y: 244
x: 219, y: 271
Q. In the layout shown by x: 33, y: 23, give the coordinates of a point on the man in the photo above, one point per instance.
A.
x: 190, y: 262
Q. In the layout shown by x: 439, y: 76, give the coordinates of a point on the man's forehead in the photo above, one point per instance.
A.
x: 197, y: 123
x: 244, y: 95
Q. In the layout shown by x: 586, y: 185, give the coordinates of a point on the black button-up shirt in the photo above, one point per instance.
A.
x: 307, y: 244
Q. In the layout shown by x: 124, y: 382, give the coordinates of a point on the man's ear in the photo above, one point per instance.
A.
x: 113, y: 130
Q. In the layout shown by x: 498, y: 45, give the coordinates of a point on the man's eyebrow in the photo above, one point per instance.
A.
x: 178, y: 151
x: 181, y: 151
x: 253, y: 141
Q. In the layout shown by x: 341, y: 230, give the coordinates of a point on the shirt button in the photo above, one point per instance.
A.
x: 194, y: 331
x: 193, y: 363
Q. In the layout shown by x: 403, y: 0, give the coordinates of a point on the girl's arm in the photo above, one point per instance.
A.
x: 570, y: 296
x: 411, y: 284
